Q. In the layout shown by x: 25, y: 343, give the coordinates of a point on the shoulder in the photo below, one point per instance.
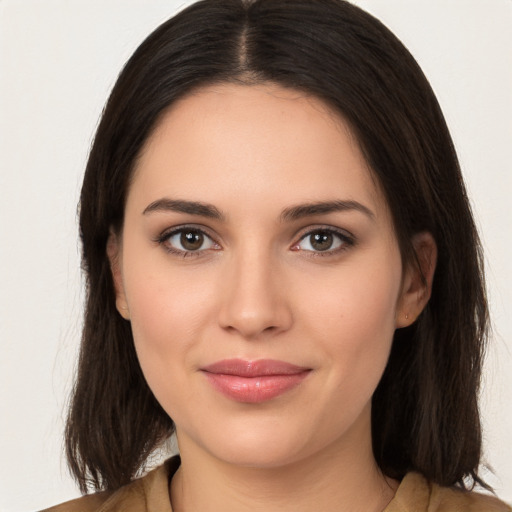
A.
x: 445, y: 499
x: 129, y: 498
x: 145, y: 494
x: 89, y: 503
x: 416, y: 494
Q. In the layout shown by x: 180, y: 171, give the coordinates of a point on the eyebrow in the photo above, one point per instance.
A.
x: 288, y: 214
x: 324, y: 207
x: 181, y: 206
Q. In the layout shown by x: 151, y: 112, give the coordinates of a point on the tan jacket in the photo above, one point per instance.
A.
x: 151, y: 494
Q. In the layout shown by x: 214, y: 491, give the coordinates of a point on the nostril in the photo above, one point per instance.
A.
x: 254, y: 326
x: 252, y: 304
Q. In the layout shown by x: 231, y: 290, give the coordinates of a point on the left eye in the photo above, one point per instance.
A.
x: 189, y: 240
x: 322, y: 240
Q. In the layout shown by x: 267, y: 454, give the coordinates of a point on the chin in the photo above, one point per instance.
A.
x: 258, y: 457
x: 258, y: 444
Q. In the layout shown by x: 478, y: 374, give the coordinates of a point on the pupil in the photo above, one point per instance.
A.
x: 191, y: 241
x: 321, y: 241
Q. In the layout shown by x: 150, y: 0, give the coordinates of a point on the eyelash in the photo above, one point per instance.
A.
x: 347, y: 240
x: 164, y: 238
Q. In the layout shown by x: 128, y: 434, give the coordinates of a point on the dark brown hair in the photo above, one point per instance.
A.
x: 425, y: 412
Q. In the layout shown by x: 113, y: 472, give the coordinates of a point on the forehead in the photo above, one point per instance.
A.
x: 254, y: 142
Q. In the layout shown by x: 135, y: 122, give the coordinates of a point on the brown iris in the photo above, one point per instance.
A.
x: 191, y: 240
x: 321, y: 241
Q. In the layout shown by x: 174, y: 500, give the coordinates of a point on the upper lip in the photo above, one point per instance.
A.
x: 258, y: 368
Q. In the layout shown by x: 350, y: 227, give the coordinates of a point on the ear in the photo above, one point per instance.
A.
x: 114, y: 255
x: 418, y: 278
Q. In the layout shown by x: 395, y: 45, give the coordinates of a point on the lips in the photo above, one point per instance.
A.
x: 254, y: 381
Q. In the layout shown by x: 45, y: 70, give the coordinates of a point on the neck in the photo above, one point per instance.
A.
x: 342, y: 477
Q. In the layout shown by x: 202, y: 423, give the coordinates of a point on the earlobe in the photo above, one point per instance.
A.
x: 418, y: 279
x: 114, y: 256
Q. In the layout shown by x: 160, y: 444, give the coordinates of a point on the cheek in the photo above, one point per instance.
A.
x: 168, y: 311
x: 354, y: 318
x: 361, y: 301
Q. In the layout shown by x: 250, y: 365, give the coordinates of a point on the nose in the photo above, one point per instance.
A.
x: 254, y: 302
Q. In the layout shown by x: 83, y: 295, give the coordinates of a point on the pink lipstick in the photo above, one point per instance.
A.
x: 254, y: 381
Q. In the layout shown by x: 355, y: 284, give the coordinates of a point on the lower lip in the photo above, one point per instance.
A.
x: 256, y: 389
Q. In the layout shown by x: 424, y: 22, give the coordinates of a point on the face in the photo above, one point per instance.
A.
x: 260, y: 272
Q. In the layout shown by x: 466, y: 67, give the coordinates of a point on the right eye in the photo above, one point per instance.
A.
x: 186, y: 241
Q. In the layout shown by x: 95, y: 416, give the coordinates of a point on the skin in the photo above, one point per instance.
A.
x: 257, y: 289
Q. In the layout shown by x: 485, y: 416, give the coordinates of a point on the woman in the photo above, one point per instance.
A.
x: 281, y: 258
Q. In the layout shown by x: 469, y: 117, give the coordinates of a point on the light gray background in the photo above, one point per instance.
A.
x: 58, y: 61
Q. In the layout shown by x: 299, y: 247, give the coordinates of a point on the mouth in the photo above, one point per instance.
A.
x: 254, y: 381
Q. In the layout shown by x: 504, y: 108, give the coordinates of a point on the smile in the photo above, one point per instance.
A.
x: 254, y: 381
